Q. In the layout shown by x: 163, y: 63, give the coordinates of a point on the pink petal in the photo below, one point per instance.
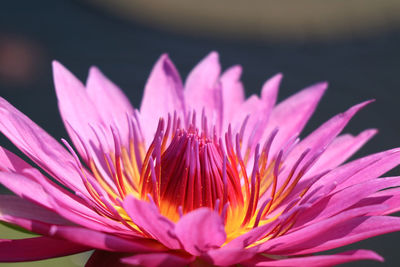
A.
x: 341, y: 200
x: 163, y: 94
x: 294, y: 113
x: 200, y: 231
x: 354, y: 172
x: 228, y: 256
x: 104, y: 241
x: 14, y: 206
x: 110, y: 102
x: 36, y: 248
x: 232, y: 92
x: 269, y: 92
x: 202, y: 89
x: 148, y: 218
x: 324, y: 135
x: 39, y: 146
x: 319, y: 260
x: 345, y: 228
x: 25, y: 188
x: 158, y: 260
x: 78, y: 111
x: 342, y: 148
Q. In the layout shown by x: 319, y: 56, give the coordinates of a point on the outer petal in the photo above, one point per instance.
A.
x: 346, y: 228
x: 332, y: 204
x: 342, y: 148
x: 39, y: 146
x: 294, y: 113
x: 163, y: 94
x: 37, y: 248
x: 320, y: 260
x: 202, y: 89
x: 147, y: 217
x: 200, y: 231
x: 78, y: 112
x: 228, y: 256
x: 159, y: 260
x: 14, y: 206
x: 110, y: 102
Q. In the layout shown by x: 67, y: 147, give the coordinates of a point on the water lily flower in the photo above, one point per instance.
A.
x: 197, y: 176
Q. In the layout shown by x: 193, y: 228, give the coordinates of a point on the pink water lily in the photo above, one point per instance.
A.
x: 198, y: 176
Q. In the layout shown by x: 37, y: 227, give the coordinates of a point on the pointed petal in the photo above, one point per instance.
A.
x: 294, y: 113
x: 342, y: 148
x: 232, y: 92
x: 163, y: 94
x: 318, y: 260
x: 332, y: 204
x: 158, y: 260
x: 200, y: 231
x: 39, y: 146
x: 203, y: 89
x: 269, y: 92
x: 148, y: 218
x: 36, y: 248
x: 323, y: 136
x: 110, y: 102
x: 79, y: 114
x: 346, y: 228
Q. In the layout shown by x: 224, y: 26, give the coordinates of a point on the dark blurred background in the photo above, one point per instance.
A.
x: 352, y: 44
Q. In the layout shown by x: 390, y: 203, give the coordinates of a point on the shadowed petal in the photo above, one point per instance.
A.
x: 158, y: 260
x: 36, y: 248
x: 101, y: 258
x: 319, y: 260
x: 200, y: 231
x: 229, y: 256
x: 147, y: 217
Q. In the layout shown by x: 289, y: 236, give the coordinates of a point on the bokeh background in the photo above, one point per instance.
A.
x: 353, y: 44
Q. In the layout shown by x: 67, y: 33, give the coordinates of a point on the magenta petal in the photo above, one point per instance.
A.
x: 342, y: 148
x: 36, y: 248
x: 293, y: 113
x: 158, y: 260
x: 337, y: 202
x: 148, y: 218
x: 200, y: 231
x: 39, y: 146
x: 110, y: 102
x: 345, y: 228
x: 163, y: 94
x: 319, y: 260
x: 16, y: 207
x: 228, y: 256
x: 104, y: 241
